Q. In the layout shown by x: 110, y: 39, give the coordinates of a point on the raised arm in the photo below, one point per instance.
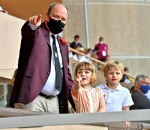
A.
x: 76, y: 86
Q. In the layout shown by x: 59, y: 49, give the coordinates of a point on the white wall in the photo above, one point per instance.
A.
x: 124, y: 26
x: 10, y: 38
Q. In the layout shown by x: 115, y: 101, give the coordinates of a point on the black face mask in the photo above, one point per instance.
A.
x: 55, y: 26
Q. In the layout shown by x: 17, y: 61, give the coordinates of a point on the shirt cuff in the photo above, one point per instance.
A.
x: 32, y: 26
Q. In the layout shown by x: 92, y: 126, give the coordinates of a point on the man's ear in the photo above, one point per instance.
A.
x: 137, y: 85
x: 46, y: 17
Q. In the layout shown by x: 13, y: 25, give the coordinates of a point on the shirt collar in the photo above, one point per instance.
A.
x: 53, y: 34
x: 117, y: 88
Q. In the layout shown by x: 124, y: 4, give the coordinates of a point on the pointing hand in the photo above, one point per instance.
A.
x: 35, y: 20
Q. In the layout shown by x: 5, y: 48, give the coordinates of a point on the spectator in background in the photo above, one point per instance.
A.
x: 142, y: 86
x: 76, y: 44
x: 101, y: 49
x: 125, y: 77
x: 89, y: 53
x: 80, y: 57
x: 148, y: 94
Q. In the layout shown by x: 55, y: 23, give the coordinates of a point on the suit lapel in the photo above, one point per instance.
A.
x: 63, y: 50
x: 62, y: 47
x: 45, y: 32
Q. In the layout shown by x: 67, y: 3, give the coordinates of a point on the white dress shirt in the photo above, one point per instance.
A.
x: 49, y: 87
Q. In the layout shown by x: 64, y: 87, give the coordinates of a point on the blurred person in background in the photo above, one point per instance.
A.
x: 76, y: 44
x: 125, y: 77
x: 101, y: 49
x: 141, y: 88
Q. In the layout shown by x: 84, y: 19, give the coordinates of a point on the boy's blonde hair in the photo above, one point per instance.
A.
x: 87, y: 66
x: 115, y: 65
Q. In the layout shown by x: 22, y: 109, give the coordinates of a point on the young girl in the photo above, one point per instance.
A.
x: 87, y: 99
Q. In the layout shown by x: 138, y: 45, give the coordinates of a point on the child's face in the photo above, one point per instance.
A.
x: 113, y: 76
x: 85, y: 77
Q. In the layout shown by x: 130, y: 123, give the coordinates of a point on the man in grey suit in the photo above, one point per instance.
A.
x: 34, y: 87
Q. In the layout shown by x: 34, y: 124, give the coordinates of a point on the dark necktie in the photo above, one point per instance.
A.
x: 59, y: 77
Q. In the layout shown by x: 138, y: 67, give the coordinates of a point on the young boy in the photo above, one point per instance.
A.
x: 117, y: 98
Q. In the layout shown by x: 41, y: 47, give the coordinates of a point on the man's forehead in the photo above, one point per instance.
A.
x: 59, y: 10
x: 59, y: 7
x: 146, y: 79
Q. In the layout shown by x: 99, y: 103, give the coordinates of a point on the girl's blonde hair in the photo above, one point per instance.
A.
x: 86, y: 66
x: 115, y: 65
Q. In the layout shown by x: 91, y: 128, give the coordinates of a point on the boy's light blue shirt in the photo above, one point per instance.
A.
x: 117, y: 98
